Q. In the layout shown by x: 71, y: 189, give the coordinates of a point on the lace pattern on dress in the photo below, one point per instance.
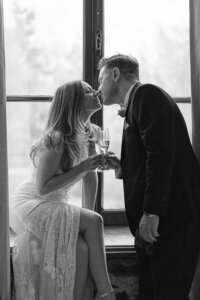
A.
x: 44, y: 256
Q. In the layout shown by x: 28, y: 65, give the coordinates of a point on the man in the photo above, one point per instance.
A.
x: 161, y: 179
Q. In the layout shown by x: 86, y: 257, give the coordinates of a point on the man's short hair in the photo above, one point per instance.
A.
x: 127, y: 64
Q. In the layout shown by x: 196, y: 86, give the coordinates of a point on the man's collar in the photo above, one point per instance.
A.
x: 128, y: 94
x: 123, y: 107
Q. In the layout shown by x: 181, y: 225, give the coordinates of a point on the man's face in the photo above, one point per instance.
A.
x: 107, y: 86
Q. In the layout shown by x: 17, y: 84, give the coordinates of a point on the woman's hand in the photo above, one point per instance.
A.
x: 92, y: 163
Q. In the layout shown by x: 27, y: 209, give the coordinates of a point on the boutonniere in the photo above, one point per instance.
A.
x: 122, y: 110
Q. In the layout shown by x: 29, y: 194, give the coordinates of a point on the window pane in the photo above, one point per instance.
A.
x: 187, y: 114
x: 157, y: 34
x: 25, y: 124
x: 43, y: 43
x: 113, y: 188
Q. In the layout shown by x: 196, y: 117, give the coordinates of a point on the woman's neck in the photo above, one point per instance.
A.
x: 86, y: 118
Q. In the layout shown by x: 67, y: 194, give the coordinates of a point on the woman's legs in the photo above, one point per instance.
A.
x: 82, y: 268
x: 91, y: 226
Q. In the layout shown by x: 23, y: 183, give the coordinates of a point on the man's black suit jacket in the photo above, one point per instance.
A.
x: 159, y: 169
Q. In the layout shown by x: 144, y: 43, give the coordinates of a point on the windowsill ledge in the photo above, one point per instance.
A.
x: 118, y: 241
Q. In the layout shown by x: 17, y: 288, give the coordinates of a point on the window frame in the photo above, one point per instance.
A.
x: 93, y: 51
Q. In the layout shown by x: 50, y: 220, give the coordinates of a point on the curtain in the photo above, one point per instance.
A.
x: 195, y: 72
x: 195, y: 89
x: 4, y: 216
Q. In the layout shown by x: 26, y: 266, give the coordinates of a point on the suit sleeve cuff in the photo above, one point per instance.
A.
x: 118, y: 173
x: 156, y: 204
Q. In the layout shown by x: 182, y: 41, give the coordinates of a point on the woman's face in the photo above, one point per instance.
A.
x: 91, y: 102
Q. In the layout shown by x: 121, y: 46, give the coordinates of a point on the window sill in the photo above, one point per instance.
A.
x: 119, y: 242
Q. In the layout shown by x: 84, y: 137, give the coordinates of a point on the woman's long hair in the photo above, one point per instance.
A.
x: 65, y: 119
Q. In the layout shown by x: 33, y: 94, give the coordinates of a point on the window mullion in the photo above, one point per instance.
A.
x: 93, y: 41
x: 92, y: 52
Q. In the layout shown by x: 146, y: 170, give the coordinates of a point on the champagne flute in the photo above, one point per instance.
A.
x: 104, y: 142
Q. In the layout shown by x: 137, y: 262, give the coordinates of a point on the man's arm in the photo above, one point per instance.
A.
x: 154, y: 117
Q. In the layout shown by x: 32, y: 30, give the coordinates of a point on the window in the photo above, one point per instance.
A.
x: 48, y: 44
x: 43, y: 45
x: 44, y: 48
x: 157, y: 34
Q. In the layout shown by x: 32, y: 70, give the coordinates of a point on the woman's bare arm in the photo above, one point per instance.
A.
x: 47, y: 179
x: 90, y: 183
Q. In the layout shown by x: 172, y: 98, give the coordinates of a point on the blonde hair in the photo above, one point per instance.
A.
x: 65, y: 122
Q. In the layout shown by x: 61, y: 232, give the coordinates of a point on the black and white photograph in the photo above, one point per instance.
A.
x: 100, y: 150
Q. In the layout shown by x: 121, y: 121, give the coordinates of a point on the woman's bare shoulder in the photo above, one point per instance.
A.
x: 54, y: 141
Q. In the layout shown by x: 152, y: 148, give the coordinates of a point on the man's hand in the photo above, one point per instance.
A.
x: 148, y: 228
x: 112, y: 161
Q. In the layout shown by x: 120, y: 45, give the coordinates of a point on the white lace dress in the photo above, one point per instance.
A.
x: 44, y: 253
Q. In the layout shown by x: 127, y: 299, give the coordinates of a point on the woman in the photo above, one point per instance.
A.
x: 57, y: 243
